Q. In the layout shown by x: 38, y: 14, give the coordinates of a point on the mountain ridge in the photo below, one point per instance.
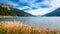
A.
x: 56, y: 12
x: 5, y: 8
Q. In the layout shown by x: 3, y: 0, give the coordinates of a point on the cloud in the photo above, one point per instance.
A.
x: 36, y: 8
x: 23, y: 1
x: 31, y: 3
x: 14, y: 4
x: 9, y: 2
x: 41, y: 11
x: 25, y: 7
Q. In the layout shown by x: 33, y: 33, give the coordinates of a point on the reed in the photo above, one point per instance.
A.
x: 9, y: 27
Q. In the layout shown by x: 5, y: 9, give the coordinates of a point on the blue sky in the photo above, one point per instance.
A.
x: 35, y: 7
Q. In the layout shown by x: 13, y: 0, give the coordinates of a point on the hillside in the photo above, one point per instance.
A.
x: 54, y: 13
x: 9, y: 10
x: 5, y: 12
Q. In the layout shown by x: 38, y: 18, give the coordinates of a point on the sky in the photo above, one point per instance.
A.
x: 34, y: 7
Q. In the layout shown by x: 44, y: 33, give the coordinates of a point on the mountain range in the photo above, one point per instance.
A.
x: 9, y: 10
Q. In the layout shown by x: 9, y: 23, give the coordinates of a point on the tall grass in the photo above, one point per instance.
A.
x: 8, y: 27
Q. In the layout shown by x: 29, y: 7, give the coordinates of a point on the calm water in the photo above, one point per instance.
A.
x: 37, y: 21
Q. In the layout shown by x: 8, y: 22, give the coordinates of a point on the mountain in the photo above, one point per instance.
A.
x: 9, y: 10
x: 54, y: 13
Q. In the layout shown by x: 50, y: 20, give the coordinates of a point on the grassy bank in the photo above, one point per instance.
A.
x: 8, y: 27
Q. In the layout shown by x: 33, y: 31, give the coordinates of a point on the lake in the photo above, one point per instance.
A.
x: 37, y: 21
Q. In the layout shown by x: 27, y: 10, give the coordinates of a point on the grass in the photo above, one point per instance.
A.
x: 8, y: 27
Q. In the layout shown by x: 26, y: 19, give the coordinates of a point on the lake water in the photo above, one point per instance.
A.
x: 37, y: 21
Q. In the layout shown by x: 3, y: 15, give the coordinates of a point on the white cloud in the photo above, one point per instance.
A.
x: 23, y: 1
x: 14, y: 4
x: 10, y: 2
x: 29, y: 2
x: 25, y: 7
x: 41, y: 11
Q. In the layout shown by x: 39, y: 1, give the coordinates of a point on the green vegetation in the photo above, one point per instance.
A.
x: 12, y: 12
x: 5, y: 12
